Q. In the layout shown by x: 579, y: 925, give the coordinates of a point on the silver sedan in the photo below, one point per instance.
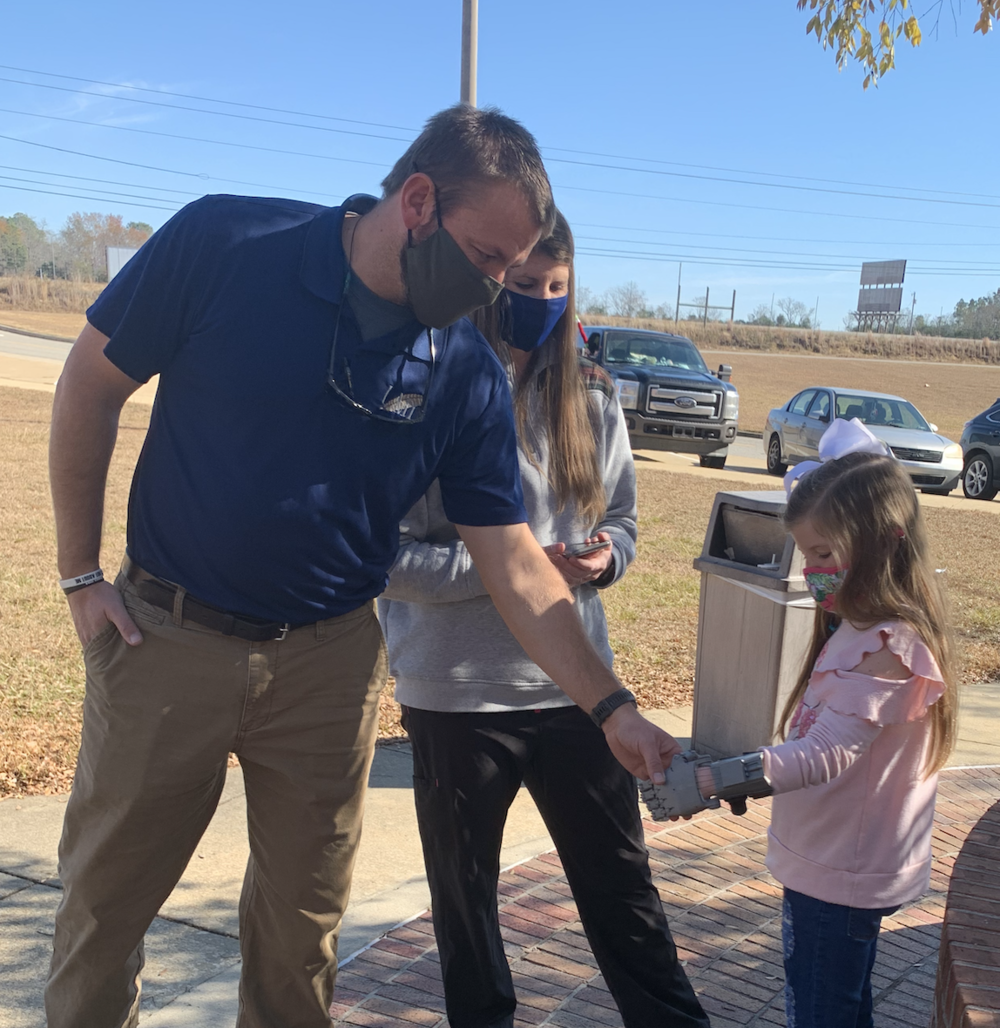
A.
x: 792, y: 433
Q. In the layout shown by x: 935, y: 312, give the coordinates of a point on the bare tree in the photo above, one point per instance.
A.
x: 589, y: 302
x: 628, y: 300
x: 795, y: 311
x: 761, y: 315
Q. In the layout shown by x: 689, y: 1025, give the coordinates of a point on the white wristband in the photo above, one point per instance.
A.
x: 69, y: 585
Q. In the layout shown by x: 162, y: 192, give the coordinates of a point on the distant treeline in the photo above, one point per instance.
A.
x: 76, y: 252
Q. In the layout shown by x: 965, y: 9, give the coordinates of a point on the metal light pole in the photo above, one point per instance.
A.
x: 470, y: 36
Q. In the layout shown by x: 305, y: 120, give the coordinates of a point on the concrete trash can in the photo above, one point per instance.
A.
x: 755, y: 622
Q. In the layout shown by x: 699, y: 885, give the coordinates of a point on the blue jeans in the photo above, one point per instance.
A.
x: 829, y: 953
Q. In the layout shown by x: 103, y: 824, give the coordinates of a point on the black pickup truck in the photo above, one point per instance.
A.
x: 670, y: 398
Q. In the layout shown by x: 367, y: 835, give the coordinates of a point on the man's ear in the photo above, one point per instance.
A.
x: 417, y: 201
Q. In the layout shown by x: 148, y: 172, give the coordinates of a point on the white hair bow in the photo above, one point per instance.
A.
x: 841, y: 438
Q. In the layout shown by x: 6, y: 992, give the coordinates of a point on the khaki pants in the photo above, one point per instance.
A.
x: 159, y: 721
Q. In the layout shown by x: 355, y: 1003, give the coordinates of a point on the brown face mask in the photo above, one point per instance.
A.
x: 442, y: 284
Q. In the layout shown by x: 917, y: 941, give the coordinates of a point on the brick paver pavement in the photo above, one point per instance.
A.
x: 725, y: 914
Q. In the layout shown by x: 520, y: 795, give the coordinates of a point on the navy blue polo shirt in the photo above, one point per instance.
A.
x: 257, y: 489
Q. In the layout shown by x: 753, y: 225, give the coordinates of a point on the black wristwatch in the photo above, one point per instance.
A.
x: 610, y: 704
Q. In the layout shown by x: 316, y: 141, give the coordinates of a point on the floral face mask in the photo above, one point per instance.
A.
x: 823, y: 583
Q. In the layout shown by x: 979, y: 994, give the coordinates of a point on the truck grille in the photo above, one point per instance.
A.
x: 921, y: 456
x: 662, y: 402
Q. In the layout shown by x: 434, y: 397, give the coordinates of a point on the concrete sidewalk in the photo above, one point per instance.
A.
x: 192, y: 967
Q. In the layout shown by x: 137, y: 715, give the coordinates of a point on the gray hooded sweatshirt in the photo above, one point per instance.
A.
x: 449, y: 649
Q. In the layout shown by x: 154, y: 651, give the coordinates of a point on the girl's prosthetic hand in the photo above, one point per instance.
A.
x: 733, y: 779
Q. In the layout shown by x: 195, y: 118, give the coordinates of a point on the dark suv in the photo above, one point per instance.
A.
x: 981, y: 450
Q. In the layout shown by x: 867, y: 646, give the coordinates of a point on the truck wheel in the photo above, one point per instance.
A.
x: 712, y: 460
x: 774, y: 462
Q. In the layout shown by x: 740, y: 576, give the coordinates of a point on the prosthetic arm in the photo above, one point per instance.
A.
x: 732, y: 779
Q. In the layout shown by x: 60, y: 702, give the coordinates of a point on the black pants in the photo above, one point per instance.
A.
x: 467, y: 769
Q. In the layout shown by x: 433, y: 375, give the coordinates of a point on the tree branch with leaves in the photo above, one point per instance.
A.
x: 866, y: 31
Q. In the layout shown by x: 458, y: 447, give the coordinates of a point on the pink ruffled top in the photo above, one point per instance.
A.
x: 852, y: 814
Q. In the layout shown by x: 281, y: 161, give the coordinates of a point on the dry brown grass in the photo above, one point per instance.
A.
x: 59, y: 324
x: 723, y: 336
x: 41, y: 671
x: 46, y: 294
x: 652, y: 613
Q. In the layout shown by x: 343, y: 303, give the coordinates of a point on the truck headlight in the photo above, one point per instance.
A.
x: 628, y: 393
x: 953, y: 452
x: 731, y: 407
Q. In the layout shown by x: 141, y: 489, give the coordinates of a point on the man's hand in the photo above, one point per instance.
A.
x: 580, y: 570
x: 92, y: 608
x: 639, y: 745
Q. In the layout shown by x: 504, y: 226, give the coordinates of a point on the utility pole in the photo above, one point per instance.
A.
x: 704, y: 320
x: 732, y: 310
x: 772, y: 307
x: 816, y: 314
x: 913, y: 307
x: 470, y: 42
x: 677, y: 309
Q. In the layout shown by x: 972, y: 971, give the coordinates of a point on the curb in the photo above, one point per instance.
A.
x: 35, y: 335
x: 750, y: 435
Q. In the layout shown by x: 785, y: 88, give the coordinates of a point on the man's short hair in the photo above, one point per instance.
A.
x: 463, y: 147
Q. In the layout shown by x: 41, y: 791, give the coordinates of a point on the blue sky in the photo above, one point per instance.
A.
x: 689, y: 104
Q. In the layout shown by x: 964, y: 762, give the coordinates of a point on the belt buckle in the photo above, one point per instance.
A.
x: 285, y: 629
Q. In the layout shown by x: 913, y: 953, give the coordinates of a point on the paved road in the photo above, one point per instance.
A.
x: 746, y: 467
x: 31, y: 346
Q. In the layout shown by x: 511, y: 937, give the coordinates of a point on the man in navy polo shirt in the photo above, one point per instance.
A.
x: 316, y: 374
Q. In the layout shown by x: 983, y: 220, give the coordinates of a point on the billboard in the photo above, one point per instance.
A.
x: 881, y: 287
x: 118, y: 257
x: 880, y: 301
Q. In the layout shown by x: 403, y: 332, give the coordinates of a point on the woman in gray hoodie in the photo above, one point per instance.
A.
x: 483, y: 719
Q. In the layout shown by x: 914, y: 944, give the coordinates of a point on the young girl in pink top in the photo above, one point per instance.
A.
x: 869, y: 724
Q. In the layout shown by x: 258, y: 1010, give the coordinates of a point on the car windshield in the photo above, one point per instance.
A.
x: 881, y: 410
x: 643, y: 349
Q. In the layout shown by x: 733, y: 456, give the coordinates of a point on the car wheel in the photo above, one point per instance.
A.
x: 977, y: 478
x: 711, y: 460
x: 775, y: 466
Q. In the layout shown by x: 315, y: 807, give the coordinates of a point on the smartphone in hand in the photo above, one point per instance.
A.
x: 582, y: 549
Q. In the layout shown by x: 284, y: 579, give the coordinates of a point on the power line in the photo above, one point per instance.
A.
x: 206, y: 99
x: 198, y: 110
x: 191, y: 139
x: 162, y: 189
x: 586, y: 189
x: 774, y: 185
x: 775, y: 210
x: 402, y: 128
x: 759, y: 265
x: 559, y: 160
x: 779, y: 253
x: 768, y: 239
x: 769, y: 174
x: 85, y: 178
x: 101, y: 199
x: 112, y: 160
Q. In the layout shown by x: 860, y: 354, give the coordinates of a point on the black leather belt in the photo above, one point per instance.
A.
x: 163, y: 594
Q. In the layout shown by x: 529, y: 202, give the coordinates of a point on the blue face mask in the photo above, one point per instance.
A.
x: 532, y: 320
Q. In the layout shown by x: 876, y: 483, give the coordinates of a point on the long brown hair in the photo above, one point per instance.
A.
x: 573, y: 470
x: 866, y: 506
